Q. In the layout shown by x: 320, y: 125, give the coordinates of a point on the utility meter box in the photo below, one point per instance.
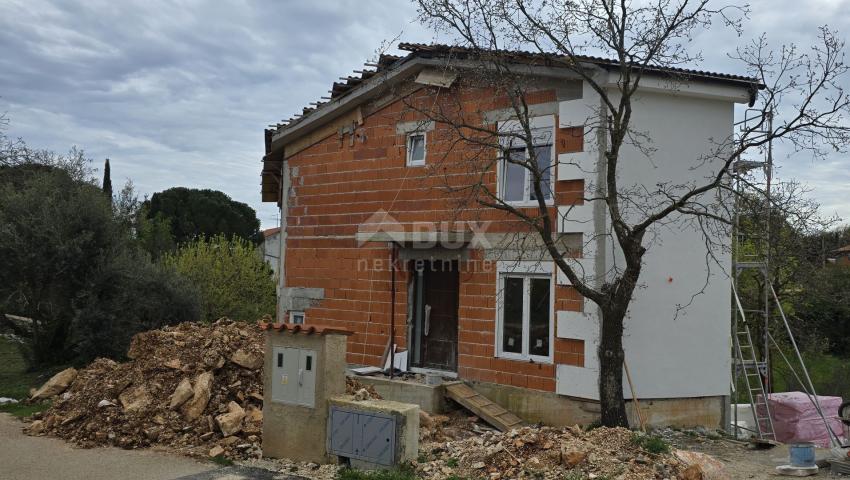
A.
x: 304, y: 367
x: 372, y: 434
x: 294, y: 376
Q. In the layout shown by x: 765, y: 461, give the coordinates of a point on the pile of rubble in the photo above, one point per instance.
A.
x: 455, y: 425
x: 544, y: 453
x: 195, y: 388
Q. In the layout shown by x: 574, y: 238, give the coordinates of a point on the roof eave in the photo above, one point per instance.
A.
x: 413, y: 63
x: 371, y: 88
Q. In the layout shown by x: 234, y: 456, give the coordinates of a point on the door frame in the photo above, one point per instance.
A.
x: 417, y: 289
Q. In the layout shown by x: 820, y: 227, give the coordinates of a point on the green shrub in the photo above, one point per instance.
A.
x: 651, y: 443
x: 128, y: 294
x: 230, y: 275
x: 70, y: 265
x: 399, y: 473
x: 593, y: 425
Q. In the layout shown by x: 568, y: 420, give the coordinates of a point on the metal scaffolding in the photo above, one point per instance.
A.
x: 751, y: 262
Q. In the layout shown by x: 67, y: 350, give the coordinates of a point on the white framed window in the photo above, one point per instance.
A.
x: 515, y: 181
x: 416, y: 149
x: 297, y: 317
x: 525, y: 329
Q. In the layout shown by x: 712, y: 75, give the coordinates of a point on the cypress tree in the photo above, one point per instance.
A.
x: 107, y: 181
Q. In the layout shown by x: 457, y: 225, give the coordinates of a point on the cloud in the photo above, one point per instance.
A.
x: 178, y: 93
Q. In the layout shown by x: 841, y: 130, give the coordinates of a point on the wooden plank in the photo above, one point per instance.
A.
x: 480, y: 405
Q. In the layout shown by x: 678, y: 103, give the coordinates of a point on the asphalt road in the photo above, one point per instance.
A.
x: 29, y: 458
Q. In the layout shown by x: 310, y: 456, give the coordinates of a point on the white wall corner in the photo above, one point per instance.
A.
x: 578, y: 325
x: 584, y: 268
x: 541, y: 267
x: 590, y: 246
x: 577, y: 382
x: 577, y: 165
x: 576, y: 218
x: 582, y: 382
x: 580, y: 112
x: 542, y: 121
x: 581, y: 326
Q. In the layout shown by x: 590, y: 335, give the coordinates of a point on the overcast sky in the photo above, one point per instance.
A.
x: 178, y: 93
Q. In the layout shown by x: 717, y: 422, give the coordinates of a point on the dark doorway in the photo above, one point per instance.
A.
x: 436, y: 289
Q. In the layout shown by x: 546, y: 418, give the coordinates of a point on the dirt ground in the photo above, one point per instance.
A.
x: 742, y: 461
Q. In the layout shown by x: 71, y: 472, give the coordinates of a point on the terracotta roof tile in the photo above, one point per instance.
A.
x: 387, y: 62
x: 305, y: 329
x: 271, y: 231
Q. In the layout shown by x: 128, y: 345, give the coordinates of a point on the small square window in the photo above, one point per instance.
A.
x: 416, y: 149
x: 296, y: 317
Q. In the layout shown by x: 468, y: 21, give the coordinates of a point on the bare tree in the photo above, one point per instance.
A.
x: 14, y: 152
x: 799, y: 90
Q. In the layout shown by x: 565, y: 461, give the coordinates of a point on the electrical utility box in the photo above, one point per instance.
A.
x: 367, y: 436
x: 304, y: 367
x: 371, y: 434
x: 294, y: 376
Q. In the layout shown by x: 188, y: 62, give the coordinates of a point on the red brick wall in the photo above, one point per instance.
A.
x: 338, y: 186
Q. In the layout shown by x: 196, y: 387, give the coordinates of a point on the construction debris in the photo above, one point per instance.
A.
x: 197, y: 389
x: 547, y: 453
x: 360, y: 391
x: 57, y: 384
x: 193, y: 388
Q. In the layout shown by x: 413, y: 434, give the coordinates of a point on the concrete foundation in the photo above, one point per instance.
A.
x: 557, y: 410
x: 293, y: 431
x: 430, y: 398
x: 548, y: 408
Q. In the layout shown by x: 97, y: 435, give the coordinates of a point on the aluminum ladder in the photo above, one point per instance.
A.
x: 752, y: 374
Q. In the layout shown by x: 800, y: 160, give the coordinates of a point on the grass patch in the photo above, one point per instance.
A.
x: 401, y: 473
x: 651, y: 443
x: 21, y: 410
x: 16, y: 378
x: 593, y: 425
x: 223, y: 461
x: 452, y: 462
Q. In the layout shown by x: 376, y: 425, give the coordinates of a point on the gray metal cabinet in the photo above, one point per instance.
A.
x: 367, y: 436
x: 306, y: 378
x: 294, y: 376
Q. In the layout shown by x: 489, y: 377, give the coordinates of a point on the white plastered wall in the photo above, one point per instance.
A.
x: 677, y: 344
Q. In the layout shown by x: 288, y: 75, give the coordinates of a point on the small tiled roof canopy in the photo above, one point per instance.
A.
x: 305, y: 329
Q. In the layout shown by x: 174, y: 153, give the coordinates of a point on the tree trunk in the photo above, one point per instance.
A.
x: 611, y: 369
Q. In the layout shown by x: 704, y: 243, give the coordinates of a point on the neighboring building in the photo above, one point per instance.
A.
x: 271, y: 250
x: 355, y: 173
x: 841, y: 256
